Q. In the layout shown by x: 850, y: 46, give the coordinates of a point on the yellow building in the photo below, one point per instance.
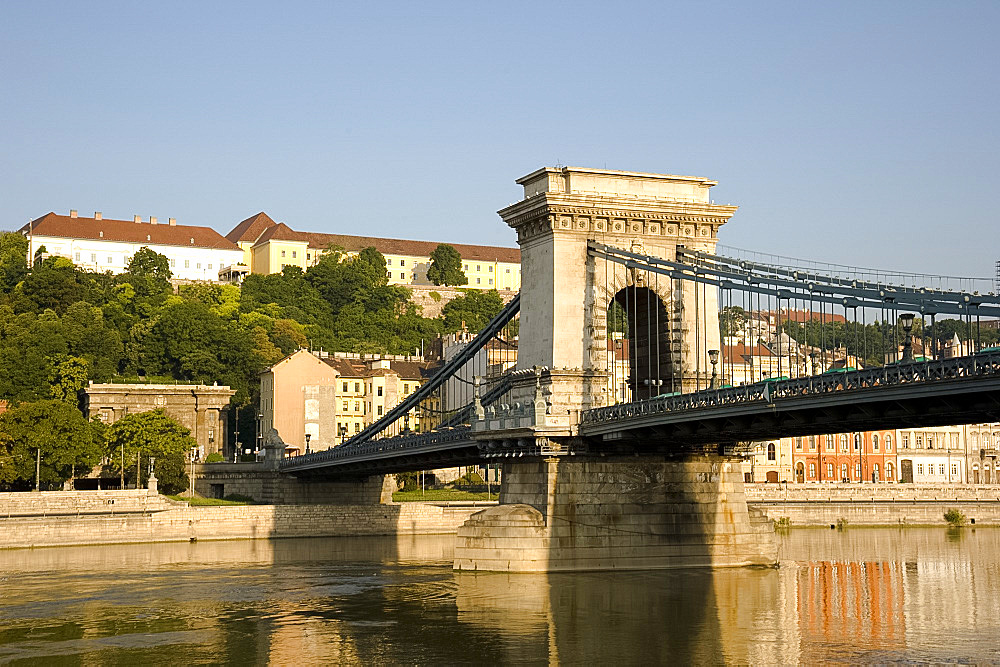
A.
x: 331, y: 397
x: 268, y: 247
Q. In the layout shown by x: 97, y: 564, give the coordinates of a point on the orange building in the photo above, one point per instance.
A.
x: 866, y: 456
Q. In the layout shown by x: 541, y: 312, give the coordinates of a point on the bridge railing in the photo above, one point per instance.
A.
x: 892, y: 375
x: 386, y: 447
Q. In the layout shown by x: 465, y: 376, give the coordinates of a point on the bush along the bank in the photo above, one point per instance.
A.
x: 954, y: 517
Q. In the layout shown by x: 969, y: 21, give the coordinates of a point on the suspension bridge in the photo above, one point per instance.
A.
x: 619, y: 388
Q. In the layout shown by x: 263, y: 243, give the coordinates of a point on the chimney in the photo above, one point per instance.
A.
x: 152, y: 220
x: 72, y: 213
x: 98, y: 215
x: 172, y: 222
x: 136, y: 218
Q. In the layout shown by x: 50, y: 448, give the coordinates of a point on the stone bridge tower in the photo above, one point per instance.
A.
x: 570, y: 504
x: 564, y: 318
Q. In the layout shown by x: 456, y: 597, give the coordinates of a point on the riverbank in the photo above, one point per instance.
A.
x: 874, y: 504
x: 37, y: 523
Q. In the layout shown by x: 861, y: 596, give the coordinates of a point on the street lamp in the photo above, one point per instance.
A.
x: 812, y: 360
x: 308, y: 435
x: 713, y: 356
x: 906, y: 319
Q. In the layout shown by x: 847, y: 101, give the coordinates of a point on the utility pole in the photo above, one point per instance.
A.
x: 123, y: 468
x: 38, y: 468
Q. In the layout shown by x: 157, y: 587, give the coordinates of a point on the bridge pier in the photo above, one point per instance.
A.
x: 617, y: 513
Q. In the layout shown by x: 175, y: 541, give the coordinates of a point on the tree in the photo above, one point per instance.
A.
x: 142, y: 435
x: 149, y: 273
x: 733, y: 320
x: 13, y: 260
x: 67, y: 378
x: 55, y: 429
x: 474, y: 309
x: 446, y: 266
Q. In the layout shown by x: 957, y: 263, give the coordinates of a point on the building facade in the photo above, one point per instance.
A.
x: 269, y: 246
x: 331, y: 397
x: 99, y: 244
x: 934, y: 455
x: 202, y: 409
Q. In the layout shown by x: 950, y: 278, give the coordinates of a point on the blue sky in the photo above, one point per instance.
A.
x: 862, y: 133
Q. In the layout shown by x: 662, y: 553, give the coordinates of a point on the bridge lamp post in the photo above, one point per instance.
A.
x: 713, y: 356
x: 308, y: 435
x: 906, y: 319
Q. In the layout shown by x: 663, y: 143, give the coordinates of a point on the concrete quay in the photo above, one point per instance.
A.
x: 56, y: 525
x: 874, y: 504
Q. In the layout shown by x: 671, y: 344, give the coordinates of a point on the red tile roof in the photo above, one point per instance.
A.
x: 127, y: 231
x: 251, y: 228
x: 282, y: 232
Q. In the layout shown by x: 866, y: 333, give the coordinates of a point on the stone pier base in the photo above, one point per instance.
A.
x: 617, y: 513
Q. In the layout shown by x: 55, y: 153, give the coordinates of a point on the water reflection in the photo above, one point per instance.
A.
x: 862, y: 595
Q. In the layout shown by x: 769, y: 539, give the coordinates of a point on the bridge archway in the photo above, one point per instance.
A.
x: 641, y: 360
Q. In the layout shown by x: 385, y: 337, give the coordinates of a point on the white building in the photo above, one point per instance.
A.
x: 99, y: 244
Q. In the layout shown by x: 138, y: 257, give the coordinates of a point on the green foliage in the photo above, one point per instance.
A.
x: 470, y: 480
x: 841, y: 523
x: 446, y: 266
x: 136, y: 437
x: 783, y: 523
x: 408, y: 481
x: 148, y: 272
x: 13, y: 260
x: 955, y: 518
x: 215, y: 457
x: 732, y: 320
x: 66, y: 441
x: 67, y: 378
x: 474, y: 309
x: 617, y: 319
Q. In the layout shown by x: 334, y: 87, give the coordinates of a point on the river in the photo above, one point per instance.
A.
x: 860, y: 595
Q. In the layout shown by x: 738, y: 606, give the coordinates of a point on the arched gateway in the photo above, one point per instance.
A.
x: 580, y: 504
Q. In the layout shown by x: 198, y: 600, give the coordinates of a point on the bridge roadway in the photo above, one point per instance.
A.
x: 927, y: 393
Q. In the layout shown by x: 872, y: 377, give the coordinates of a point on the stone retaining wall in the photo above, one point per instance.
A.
x: 869, y: 492
x: 48, y: 503
x: 233, y: 523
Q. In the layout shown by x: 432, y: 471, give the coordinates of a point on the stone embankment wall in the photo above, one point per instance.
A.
x: 53, y: 503
x: 181, y: 524
x: 265, y: 484
x: 874, y: 504
x: 431, y: 299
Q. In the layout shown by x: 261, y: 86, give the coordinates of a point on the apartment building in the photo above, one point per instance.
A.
x: 102, y: 244
x: 330, y: 397
x: 269, y: 246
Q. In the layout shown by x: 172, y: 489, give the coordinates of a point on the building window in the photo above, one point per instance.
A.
x: 875, y: 441
x: 209, y: 266
x: 920, y: 468
x: 380, y: 393
x: 941, y: 469
x: 888, y: 447
x: 888, y: 471
x: 380, y: 411
x: 479, y: 281
x: 111, y: 260
x: 282, y: 253
x: 357, y: 427
x: 491, y: 281
x: 402, y: 276
x: 465, y: 267
x: 829, y: 445
x: 402, y: 262
x: 198, y: 265
x: 357, y: 387
x: 345, y: 387
x: 357, y: 406
x: 478, y: 267
x: 930, y: 441
x: 347, y: 406
x: 812, y: 443
x: 798, y: 444
x: 93, y: 258
x: 508, y: 270
x: 843, y: 471
x: 406, y: 388
x: 906, y: 440
x: 954, y: 469
x: 491, y: 268
x: 843, y: 442
x: 829, y: 471
x: 919, y: 440
x: 295, y: 253
x: 857, y: 471
x: 812, y: 471
x: 875, y: 472
x: 187, y: 263
x: 388, y: 261
x: 77, y: 257
x: 309, y: 256
x: 770, y: 452
x: 173, y: 263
